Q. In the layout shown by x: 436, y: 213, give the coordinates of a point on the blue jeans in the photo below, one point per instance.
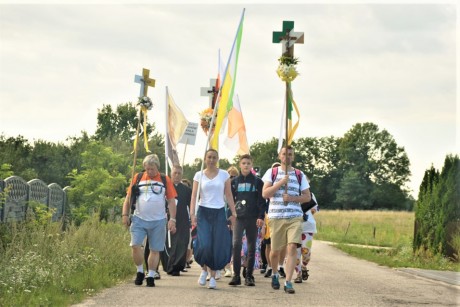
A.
x: 213, y: 245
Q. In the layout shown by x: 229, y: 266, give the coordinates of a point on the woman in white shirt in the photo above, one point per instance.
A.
x: 213, y: 245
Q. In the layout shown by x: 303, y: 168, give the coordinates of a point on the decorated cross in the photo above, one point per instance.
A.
x: 144, y: 81
x: 288, y: 38
x: 211, y: 92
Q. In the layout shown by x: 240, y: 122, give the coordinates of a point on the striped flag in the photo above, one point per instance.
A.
x: 225, y: 103
x: 236, y: 139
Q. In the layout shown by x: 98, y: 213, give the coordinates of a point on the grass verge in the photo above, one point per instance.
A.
x: 43, y: 266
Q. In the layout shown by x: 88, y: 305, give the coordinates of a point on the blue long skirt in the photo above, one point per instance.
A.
x: 213, y: 244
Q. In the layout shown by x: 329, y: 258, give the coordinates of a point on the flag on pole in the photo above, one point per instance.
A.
x: 228, y: 85
x: 291, y: 128
x: 236, y: 139
x: 176, y: 125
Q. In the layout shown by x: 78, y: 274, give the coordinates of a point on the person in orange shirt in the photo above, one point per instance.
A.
x: 148, y: 219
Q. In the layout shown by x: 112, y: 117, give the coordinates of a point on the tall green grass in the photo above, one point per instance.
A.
x: 378, y: 228
x: 391, y: 230
x: 44, y: 266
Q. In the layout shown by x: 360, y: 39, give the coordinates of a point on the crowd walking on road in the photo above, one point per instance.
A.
x: 230, y: 223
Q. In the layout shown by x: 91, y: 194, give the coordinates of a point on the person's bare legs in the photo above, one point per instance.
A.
x: 291, y: 260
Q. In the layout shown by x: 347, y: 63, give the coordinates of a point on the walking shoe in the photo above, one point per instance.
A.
x: 228, y: 273
x: 305, y: 274
x: 275, y: 282
x: 281, y: 271
x: 236, y: 281
x: 268, y: 273
x: 218, y: 275
x: 202, y: 279
x: 298, y: 280
x: 249, y: 281
x: 263, y: 269
x: 212, y: 283
x: 150, y: 281
x: 244, y: 272
x: 187, y: 265
x: 175, y: 273
x: 288, y: 287
x: 157, y: 275
x: 139, y: 278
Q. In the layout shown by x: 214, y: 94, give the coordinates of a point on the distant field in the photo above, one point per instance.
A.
x: 378, y: 228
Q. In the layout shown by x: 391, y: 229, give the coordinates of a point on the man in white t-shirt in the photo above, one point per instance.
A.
x: 285, y: 213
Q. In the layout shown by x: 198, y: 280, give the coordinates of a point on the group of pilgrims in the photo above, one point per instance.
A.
x: 230, y: 222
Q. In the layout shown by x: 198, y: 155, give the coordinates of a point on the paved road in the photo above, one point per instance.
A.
x: 336, y: 279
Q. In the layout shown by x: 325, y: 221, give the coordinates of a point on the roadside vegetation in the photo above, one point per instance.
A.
x: 386, y: 238
x: 45, y: 266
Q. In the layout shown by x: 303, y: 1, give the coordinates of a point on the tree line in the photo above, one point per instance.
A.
x: 364, y: 169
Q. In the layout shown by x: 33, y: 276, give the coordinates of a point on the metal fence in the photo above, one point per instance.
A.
x: 18, y: 194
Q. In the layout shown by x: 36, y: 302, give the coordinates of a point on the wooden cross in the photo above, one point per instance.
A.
x: 145, y: 81
x: 288, y: 38
x: 211, y: 92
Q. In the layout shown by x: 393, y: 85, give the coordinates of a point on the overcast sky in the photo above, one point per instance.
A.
x: 393, y: 65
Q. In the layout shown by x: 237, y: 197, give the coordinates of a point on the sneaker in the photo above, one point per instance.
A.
x: 202, y: 279
x: 298, y: 280
x: 228, y: 273
x: 268, y: 273
x: 139, y: 278
x: 263, y: 269
x: 305, y: 274
x: 150, y: 281
x: 236, y: 281
x: 249, y: 281
x: 157, y: 275
x: 212, y: 283
x: 175, y: 273
x: 288, y: 287
x: 187, y: 265
x: 281, y: 271
x: 218, y: 275
x: 275, y: 282
x: 244, y: 272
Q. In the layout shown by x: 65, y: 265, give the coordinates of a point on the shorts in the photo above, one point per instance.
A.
x: 285, y: 231
x: 154, y: 230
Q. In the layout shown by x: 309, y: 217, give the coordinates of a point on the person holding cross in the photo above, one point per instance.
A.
x: 287, y: 190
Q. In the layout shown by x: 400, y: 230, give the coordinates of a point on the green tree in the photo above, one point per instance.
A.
x: 354, y: 191
x: 376, y: 158
x: 16, y: 151
x: 265, y: 154
x: 101, y: 185
x: 119, y: 124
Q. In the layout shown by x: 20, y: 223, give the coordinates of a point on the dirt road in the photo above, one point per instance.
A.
x: 336, y: 279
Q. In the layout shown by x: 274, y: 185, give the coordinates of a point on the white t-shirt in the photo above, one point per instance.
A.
x: 212, y: 190
x: 310, y: 224
x: 151, y: 201
x: 277, y: 209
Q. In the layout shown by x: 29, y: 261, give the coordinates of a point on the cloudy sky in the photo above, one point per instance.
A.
x: 390, y: 64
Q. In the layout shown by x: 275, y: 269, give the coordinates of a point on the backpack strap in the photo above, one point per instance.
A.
x: 298, y: 175
x: 274, y: 173
x: 133, y: 197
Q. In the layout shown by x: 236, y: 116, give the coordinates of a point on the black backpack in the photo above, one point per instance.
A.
x: 135, y: 191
